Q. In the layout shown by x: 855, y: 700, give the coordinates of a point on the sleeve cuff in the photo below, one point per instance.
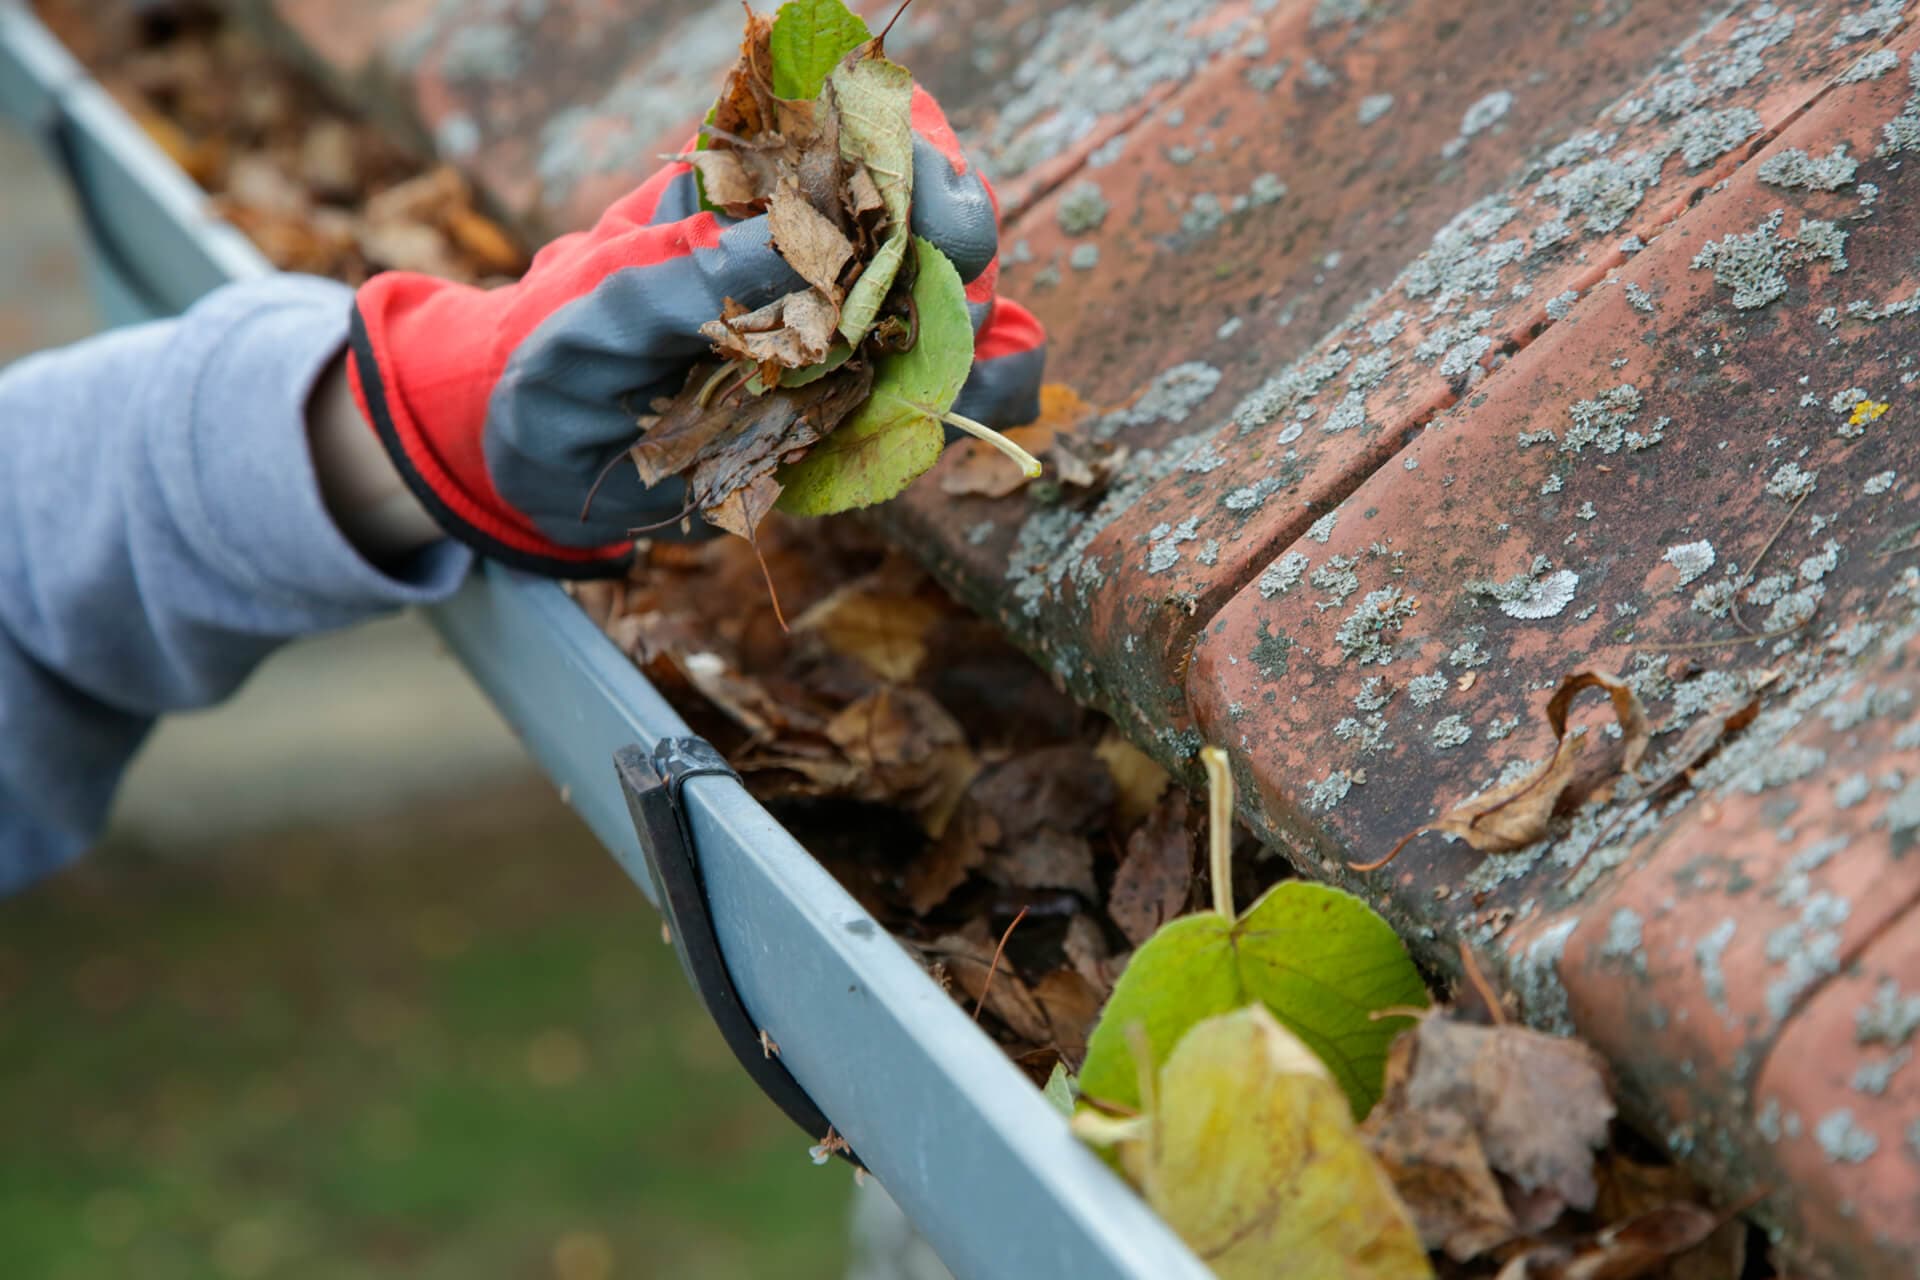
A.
x: 246, y: 492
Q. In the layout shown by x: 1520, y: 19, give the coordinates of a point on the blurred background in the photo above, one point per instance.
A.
x: 349, y: 993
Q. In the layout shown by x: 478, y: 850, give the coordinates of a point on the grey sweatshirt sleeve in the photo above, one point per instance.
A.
x: 162, y: 531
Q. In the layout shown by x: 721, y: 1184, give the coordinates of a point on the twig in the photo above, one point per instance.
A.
x: 606, y: 471
x: 1364, y: 867
x: 1753, y: 571
x: 1723, y: 641
x: 1219, y: 829
x: 772, y: 595
x: 736, y: 141
x: 880, y: 41
x: 1747, y: 579
x: 675, y: 518
x: 1481, y: 987
x: 994, y: 968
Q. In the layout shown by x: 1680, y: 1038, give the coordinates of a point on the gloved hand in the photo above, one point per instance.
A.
x: 500, y: 407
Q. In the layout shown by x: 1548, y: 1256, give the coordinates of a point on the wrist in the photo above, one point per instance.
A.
x: 369, y: 501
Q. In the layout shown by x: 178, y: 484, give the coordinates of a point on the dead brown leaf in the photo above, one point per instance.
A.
x: 792, y: 332
x: 330, y: 160
x: 1537, y: 1106
x: 1047, y: 858
x: 945, y: 866
x: 1080, y: 463
x: 967, y: 957
x: 1072, y: 1006
x: 810, y: 243
x: 761, y: 431
x: 1701, y: 740
x: 726, y: 181
x: 1439, y: 1168
x: 406, y: 246
x: 742, y: 699
x: 1058, y: 1010
x: 746, y: 107
x: 1064, y: 787
x: 1085, y: 947
x: 485, y: 241
x: 1629, y: 1190
x: 1636, y: 733
x: 812, y: 129
x: 863, y: 194
x: 419, y: 199
x: 1154, y: 878
x: 1512, y: 817
x: 741, y: 511
x: 201, y: 158
x: 1626, y: 1250
x: 885, y: 632
x: 812, y: 774
x: 675, y: 436
x: 913, y: 752
x: 894, y: 729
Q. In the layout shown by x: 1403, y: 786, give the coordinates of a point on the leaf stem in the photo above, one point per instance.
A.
x: 706, y: 389
x: 1029, y: 464
x: 1219, y: 829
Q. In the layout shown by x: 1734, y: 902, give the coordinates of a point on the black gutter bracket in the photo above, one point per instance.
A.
x: 652, y: 783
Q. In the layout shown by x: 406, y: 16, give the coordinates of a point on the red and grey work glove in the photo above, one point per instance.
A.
x: 500, y: 407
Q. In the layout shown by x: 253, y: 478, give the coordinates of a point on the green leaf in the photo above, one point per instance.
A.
x: 699, y: 183
x: 1320, y: 959
x: 875, y: 97
x: 1059, y: 1090
x: 896, y: 435
x: 809, y: 39
x: 836, y: 357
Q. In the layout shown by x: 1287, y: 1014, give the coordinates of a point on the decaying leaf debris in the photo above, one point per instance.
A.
x: 316, y: 190
x: 925, y: 761
x: 1470, y: 1111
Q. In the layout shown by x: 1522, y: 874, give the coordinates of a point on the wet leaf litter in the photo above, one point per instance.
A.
x: 837, y: 394
x: 316, y: 190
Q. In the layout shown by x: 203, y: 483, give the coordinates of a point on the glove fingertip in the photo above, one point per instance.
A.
x: 955, y: 211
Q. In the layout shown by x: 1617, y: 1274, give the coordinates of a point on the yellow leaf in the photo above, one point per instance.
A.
x: 1249, y: 1151
x: 1138, y: 779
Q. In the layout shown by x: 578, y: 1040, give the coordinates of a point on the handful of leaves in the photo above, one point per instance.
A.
x: 833, y: 396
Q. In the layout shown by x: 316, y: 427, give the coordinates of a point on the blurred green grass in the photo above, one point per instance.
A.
x: 449, y: 1045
